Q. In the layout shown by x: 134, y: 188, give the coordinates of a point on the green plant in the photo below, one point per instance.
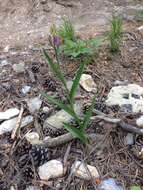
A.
x: 70, y: 95
x: 135, y: 188
x: 115, y: 33
x: 66, y: 31
x: 76, y: 49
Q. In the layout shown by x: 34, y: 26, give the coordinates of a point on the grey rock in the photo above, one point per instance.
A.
x: 129, y: 139
x: 33, y: 188
x: 19, y: 68
x: 25, y: 90
x: 110, y: 184
x: 61, y: 117
x: 34, y: 104
x: 8, y: 126
x: 4, y: 63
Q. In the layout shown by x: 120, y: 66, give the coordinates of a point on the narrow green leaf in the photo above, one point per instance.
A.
x: 88, y: 114
x: 56, y: 69
x: 76, y: 81
x: 59, y: 104
x: 77, y: 133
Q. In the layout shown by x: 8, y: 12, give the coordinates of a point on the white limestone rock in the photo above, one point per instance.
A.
x: 19, y: 68
x: 12, y: 112
x: 34, y: 104
x: 33, y: 188
x: 127, y: 95
x: 8, y: 126
x: 32, y: 137
x: 61, y: 117
x: 139, y: 121
x: 51, y: 170
x: 87, y: 82
x: 81, y: 170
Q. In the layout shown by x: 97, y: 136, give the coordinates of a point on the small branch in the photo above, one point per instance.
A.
x: 119, y: 122
x: 108, y: 119
x: 52, y: 142
x: 19, y: 119
x: 130, y: 128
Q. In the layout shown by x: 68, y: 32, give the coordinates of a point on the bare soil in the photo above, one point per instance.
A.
x: 24, y: 26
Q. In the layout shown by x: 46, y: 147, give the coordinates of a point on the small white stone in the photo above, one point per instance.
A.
x: 33, y: 188
x: 34, y: 104
x: 19, y: 68
x: 80, y: 170
x: 12, y: 188
x: 12, y: 112
x: 139, y: 121
x: 6, y: 49
x: 25, y: 90
x: 110, y: 184
x: 3, y: 63
x: 8, y: 126
x: 46, y: 109
x: 51, y: 170
x: 32, y: 137
x: 140, y: 28
x: 129, y: 139
x: 87, y: 82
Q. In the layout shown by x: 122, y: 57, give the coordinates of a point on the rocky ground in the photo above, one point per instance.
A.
x: 116, y: 154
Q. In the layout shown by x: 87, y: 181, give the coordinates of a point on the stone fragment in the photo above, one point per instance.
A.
x: 34, y: 104
x: 110, y: 184
x: 8, y: 126
x: 19, y: 68
x: 51, y: 170
x: 139, y: 121
x: 25, y: 90
x: 32, y: 137
x: 12, y: 112
x: 84, y: 171
x: 61, y: 117
x: 129, y: 139
x: 87, y: 82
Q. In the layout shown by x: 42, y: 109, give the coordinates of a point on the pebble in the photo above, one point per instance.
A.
x: 119, y: 82
x: 19, y: 68
x: 4, y: 63
x: 129, y: 139
x: 110, y: 184
x: 34, y: 104
x: 139, y: 121
x: 12, y: 112
x: 46, y: 109
x: 140, y: 28
x: 32, y: 137
x: 33, y: 188
x: 6, y: 49
x: 25, y: 90
x: 8, y: 126
x: 61, y: 117
x: 87, y: 82
x: 51, y: 170
x: 79, y: 169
